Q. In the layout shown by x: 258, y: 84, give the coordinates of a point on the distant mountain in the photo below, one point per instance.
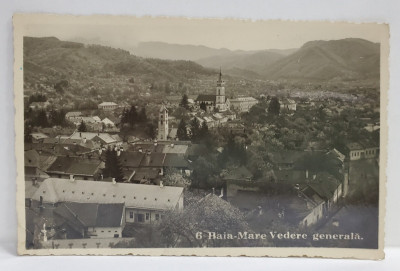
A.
x: 252, y: 63
x: 255, y: 62
x: 168, y: 51
x: 344, y: 59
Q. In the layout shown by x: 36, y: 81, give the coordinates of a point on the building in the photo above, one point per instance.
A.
x: 108, y: 106
x: 163, y: 124
x: 143, y: 203
x: 288, y: 104
x: 218, y: 101
x: 243, y: 104
x: 75, y: 168
x: 101, y: 138
x: 363, y: 150
x: 91, y: 220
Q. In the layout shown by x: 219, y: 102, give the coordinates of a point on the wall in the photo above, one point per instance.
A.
x: 105, y: 232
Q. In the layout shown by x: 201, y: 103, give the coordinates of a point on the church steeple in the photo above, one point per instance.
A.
x: 220, y: 101
x: 163, y: 123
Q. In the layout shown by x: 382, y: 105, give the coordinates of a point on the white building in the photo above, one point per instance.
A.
x: 143, y: 203
x: 108, y: 106
x: 243, y: 104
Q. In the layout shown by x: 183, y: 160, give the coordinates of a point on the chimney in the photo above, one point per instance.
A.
x: 213, y: 191
x: 100, y: 151
x: 84, y: 140
x: 222, y: 193
x: 161, y: 184
x: 71, y: 178
x: 307, y: 174
x: 34, y: 181
x: 118, y: 152
x: 113, y: 181
x: 314, y: 176
x: 172, y: 145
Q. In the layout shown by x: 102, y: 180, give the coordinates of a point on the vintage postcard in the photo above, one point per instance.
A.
x: 205, y: 137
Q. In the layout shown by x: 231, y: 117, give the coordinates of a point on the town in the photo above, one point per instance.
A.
x: 131, y: 167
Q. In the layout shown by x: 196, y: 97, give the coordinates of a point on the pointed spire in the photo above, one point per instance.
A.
x: 220, y: 74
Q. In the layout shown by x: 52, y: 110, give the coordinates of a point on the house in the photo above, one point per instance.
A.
x: 365, y: 150
x: 92, y: 220
x: 108, y: 123
x: 243, y: 104
x: 288, y: 104
x: 38, y: 137
x: 75, y: 168
x: 73, y: 114
x: 101, y: 138
x: 144, y: 204
x: 108, y: 106
x: 36, y: 164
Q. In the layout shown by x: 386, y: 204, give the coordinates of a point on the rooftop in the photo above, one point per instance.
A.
x: 140, y: 196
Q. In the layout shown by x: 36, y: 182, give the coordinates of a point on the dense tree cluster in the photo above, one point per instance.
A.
x: 113, y: 168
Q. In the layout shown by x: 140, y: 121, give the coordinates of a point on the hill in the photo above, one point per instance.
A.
x: 55, y: 59
x: 256, y: 62
x: 346, y: 59
x: 168, y: 51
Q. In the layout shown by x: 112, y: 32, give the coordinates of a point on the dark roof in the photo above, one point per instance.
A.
x: 131, y: 159
x: 145, y: 173
x: 80, y: 215
x: 175, y: 160
x: 238, y: 173
x: 69, y: 165
x: 109, y: 215
x: 206, y: 98
x: 153, y: 160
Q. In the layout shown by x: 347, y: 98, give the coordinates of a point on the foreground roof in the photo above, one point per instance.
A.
x: 139, y: 196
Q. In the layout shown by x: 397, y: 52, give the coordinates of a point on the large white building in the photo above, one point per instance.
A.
x: 143, y: 203
x: 243, y: 104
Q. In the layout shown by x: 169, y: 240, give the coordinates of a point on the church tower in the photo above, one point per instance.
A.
x: 220, y: 102
x: 163, y: 123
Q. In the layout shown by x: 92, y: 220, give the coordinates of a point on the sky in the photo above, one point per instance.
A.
x: 126, y: 32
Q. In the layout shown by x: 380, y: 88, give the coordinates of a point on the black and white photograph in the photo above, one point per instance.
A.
x: 176, y: 136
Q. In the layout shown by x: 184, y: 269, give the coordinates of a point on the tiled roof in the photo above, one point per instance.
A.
x: 74, y: 166
x: 55, y: 190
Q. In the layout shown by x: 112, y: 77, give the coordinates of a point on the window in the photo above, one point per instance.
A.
x: 147, y: 216
x: 157, y: 216
x: 130, y: 214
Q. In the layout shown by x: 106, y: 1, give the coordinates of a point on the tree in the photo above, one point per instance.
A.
x: 190, y: 226
x: 182, y: 130
x: 194, y: 128
x: 184, y: 102
x: 142, y: 115
x: 150, y: 130
x: 132, y: 116
x: 61, y: 86
x: 57, y: 118
x: 82, y: 127
x: 27, y: 133
x: 274, y: 107
x: 41, y: 119
x: 203, y: 106
x: 173, y: 177
x: 113, y: 168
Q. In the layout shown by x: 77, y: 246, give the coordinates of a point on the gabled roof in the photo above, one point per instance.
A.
x: 91, y: 214
x: 175, y: 160
x: 131, y: 159
x: 74, y: 166
x: 55, y: 190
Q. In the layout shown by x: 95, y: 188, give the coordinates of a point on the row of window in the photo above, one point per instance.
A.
x: 141, y: 217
